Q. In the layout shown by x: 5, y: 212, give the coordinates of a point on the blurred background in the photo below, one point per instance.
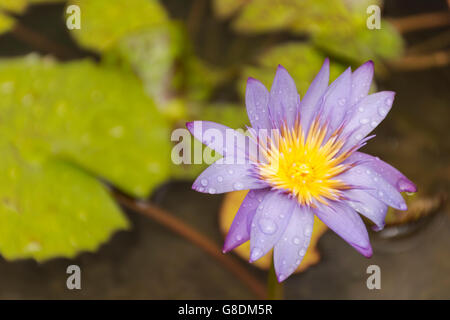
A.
x: 86, y: 117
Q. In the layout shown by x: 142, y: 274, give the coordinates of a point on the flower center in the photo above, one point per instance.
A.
x: 305, y: 165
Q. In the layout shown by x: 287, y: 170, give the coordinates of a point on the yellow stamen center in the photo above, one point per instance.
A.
x: 305, y: 165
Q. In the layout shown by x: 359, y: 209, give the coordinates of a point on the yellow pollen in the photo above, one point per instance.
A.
x: 305, y: 165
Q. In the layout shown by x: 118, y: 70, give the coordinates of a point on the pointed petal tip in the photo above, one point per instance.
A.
x: 280, y: 67
x: 366, y: 251
x: 255, y: 255
x: 281, y: 278
x: 378, y: 228
x: 190, y: 125
x: 227, y: 247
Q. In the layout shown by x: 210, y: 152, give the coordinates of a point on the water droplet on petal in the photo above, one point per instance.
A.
x: 212, y: 190
x: 373, y: 124
x: 238, y: 186
x: 308, y: 231
x: 219, y: 178
x: 256, y: 254
x: 296, y: 241
x: 204, y: 182
x: 268, y: 226
x: 364, y: 121
x: 382, y: 111
x: 361, y: 109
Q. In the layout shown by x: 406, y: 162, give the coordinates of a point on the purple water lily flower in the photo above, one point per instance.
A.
x: 308, y: 166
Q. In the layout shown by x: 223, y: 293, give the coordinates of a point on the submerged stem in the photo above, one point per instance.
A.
x: 187, y: 232
x: 274, y: 288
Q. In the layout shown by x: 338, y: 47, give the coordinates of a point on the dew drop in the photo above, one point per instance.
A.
x: 361, y: 109
x: 308, y: 231
x: 219, y: 178
x: 388, y: 101
x: 382, y: 111
x: 358, y: 136
x: 268, y: 226
x: 238, y: 237
x: 238, y: 186
x: 302, y: 252
x: 341, y: 101
x: 256, y: 254
x: 373, y: 124
x: 380, y: 193
x: 296, y: 241
x: 204, y: 182
x: 212, y: 190
x: 364, y: 121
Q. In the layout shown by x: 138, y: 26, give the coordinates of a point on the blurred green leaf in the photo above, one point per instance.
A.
x: 6, y: 23
x: 151, y: 55
x: 359, y: 44
x: 301, y: 60
x: 266, y: 16
x: 97, y: 118
x: 15, y: 6
x: 336, y: 26
x: 51, y: 209
x: 225, y: 8
x: 105, y: 22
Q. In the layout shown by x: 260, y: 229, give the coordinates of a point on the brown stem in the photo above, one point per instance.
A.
x: 195, y: 16
x: 187, y: 232
x: 419, y: 62
x: 421, y: 21
x: 40, y: 42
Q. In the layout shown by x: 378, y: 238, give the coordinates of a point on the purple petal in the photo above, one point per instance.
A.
x: 309, y: 103
x: 269, y: 223
x: 239, y: 231
x: 220, y: 178
x: 368, y: 206
x: 366, y: 115
x: 374, y: 184
x: 337, y: 100
x: 347, y: 224
x: 291, y: 248
x: 388, y: 172
x: 283, y: 99
x: 228, y: 142
x: 361, y: 81
x: 256, y: 100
